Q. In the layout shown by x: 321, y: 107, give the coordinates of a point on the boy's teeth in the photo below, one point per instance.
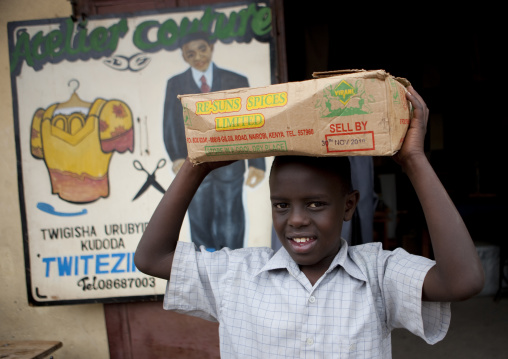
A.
x: 301, y: 240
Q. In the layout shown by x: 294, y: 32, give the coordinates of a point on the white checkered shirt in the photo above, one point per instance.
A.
x: 267, y: 307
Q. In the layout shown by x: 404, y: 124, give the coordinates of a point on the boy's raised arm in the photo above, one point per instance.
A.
x: 458, y: 273
x: 154, y: 255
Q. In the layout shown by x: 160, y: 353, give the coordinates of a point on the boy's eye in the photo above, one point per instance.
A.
x: 315, y: 204
x: 281, y: 205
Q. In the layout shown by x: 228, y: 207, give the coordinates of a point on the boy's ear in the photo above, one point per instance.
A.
x: 351, y: 203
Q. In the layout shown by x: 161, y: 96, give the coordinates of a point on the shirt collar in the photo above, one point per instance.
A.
x: 196, y: 75
x: 282, y: 259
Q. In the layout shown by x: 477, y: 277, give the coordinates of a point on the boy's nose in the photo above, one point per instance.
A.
x: 298, y: 218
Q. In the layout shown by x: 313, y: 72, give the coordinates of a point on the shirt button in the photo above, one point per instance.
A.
x: 310, y: 341
x: 312, y: 299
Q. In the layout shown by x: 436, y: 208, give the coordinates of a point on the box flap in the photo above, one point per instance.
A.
x: 403, y: 81
x: 321, y: 74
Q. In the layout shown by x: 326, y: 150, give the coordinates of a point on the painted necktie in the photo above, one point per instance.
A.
x: 204, y: 85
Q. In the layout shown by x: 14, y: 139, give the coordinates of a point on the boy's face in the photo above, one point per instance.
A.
x: 198, y: 54
x: 308, y: 207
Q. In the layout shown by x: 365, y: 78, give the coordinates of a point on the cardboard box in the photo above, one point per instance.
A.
x: 341, y: 113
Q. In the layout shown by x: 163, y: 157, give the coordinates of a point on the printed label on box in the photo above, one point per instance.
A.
x: 246, y: 148
x: 347, y: 142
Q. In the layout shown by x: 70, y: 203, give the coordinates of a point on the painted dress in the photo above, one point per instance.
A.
x: 77, y: 144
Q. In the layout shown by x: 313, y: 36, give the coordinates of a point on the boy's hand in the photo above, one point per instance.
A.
x: 208, y: 167
x: 414, y: 140
x: 177, y: 165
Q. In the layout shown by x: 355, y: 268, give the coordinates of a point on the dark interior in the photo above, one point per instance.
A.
x: 454, y: 64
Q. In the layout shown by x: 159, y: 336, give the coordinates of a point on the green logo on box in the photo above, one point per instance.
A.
x: 344, y: 91
x: 186, y: 117
x: 344, y: 99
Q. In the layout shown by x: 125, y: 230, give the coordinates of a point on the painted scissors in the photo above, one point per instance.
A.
x: 150, y: 181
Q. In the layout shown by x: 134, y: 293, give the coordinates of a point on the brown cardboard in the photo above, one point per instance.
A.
x: 340, y: 113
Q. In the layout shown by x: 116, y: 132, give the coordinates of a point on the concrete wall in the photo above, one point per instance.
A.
x: 81, y: 328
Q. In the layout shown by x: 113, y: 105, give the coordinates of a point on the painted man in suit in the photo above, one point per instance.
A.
x: 216, y: 213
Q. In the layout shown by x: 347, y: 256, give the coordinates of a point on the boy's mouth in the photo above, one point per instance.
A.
x: 301, y: 239
x: 302, y: 244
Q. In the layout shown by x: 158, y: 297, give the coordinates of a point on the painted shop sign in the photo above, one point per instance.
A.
x: 99, y: 138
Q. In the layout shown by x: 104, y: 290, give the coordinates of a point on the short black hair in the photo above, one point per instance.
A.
x: 199, y: 35
x: 335, y: 165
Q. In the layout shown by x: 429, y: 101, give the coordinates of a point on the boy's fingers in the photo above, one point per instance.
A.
x: 413, y: 92
x: 420, y: 107
x: 416, y: 99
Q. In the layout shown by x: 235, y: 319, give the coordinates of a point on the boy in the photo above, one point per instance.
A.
x: 222, y: 190
x: 316, y: 297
